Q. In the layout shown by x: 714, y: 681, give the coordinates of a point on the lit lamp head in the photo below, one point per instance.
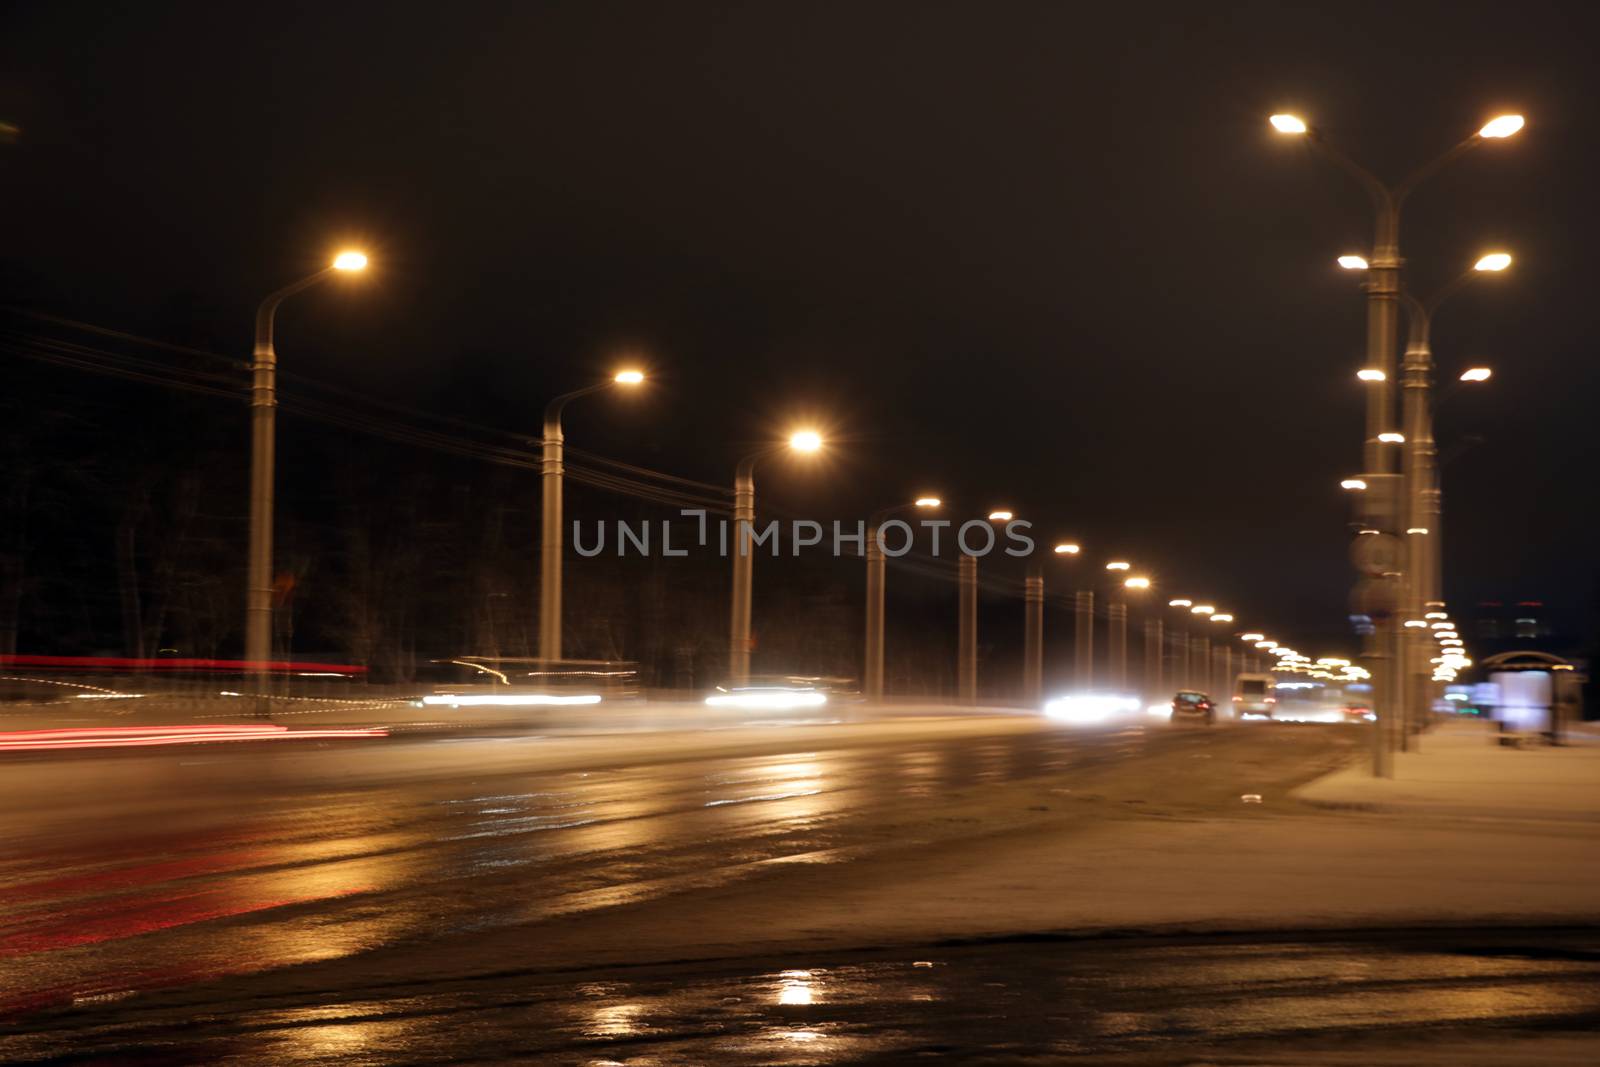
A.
x: 1202, y: 609
x: 1476, y: 374
x: 1137, y: 583
x: 1494, y: 262
x: 1221, y: 616
x: 805, y: 441
x: 628, y: 377
x: 1353, y: 262
x: 1501, y: 126
x: 1118, y: 565
x: 927, y: 502
x: 1371, y: 374
x: 350, y: 261
x: 1355, y: 485
x: 1180, y: 603
x: 1392, y: 438
x: 1292, y: 124
x: 1067, y: 548
x: 1001, y: 515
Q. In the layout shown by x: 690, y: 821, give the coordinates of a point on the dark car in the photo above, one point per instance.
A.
x: 1192, y: 706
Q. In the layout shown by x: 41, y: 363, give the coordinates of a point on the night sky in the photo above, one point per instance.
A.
x: 1046, y: 255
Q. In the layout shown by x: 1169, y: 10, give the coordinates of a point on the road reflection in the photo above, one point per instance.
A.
x: 235, y: 862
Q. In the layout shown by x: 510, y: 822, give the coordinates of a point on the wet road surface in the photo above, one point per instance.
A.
x: 126, y: 873
x: 139, y: 894
x: 1513, y: 997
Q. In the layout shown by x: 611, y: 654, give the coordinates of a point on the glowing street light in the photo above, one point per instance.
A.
x: 876, y: 582
x: 744, y: 514
x: 1501, y: 126
x: 263, y: 473
x: 1353, y: 262
x: 1221, y: 617
x: 1288, y: 123
x: 1392, y: 438
x: 1067, y: 548
x: 1494, y: 262
x: 1355, y: 485
x: 1252, y: 637
x: 1476, y: 374
x: 552, y: 539
x: 1137, y: 583
x: 1118, y: 565
x: 1180, y: 603
x: 1202, y: 609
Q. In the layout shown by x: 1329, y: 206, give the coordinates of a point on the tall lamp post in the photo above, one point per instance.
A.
x: 1383, y: 291
x: 552, y: 537
x: 263, y: 447
x: 744, y: 514
x: 872, y: 672
x: 1033, y: 625
x: 1224, y: 650
x: 967, y: 618
x: 1117, y: 624
x: 1180, y: 642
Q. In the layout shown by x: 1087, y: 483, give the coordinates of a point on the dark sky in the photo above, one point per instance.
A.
x: 1042, y: 254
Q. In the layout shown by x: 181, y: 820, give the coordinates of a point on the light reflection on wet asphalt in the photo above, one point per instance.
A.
x: 239, y: 862
x: 1009, y: 1003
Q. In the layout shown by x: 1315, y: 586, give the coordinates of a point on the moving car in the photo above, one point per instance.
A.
x: 1192, y: 706
x: 1253, y: 695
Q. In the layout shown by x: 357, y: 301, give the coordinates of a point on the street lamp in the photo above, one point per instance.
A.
x: 1423, y: 498
x: 876, y: 575
x: 1476, y: 374
x: 263, y: 445
x: 967, y: 618
x: 552, y: 537
x: 744, y: 513
x: 1383, y: 292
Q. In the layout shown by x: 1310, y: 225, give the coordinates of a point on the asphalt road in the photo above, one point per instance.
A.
x: 149, y: 904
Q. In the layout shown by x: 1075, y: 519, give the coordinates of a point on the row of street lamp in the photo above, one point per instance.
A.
x: 258, y: 618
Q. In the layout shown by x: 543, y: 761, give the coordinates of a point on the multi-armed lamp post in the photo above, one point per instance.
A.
x: 1383, y: 296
